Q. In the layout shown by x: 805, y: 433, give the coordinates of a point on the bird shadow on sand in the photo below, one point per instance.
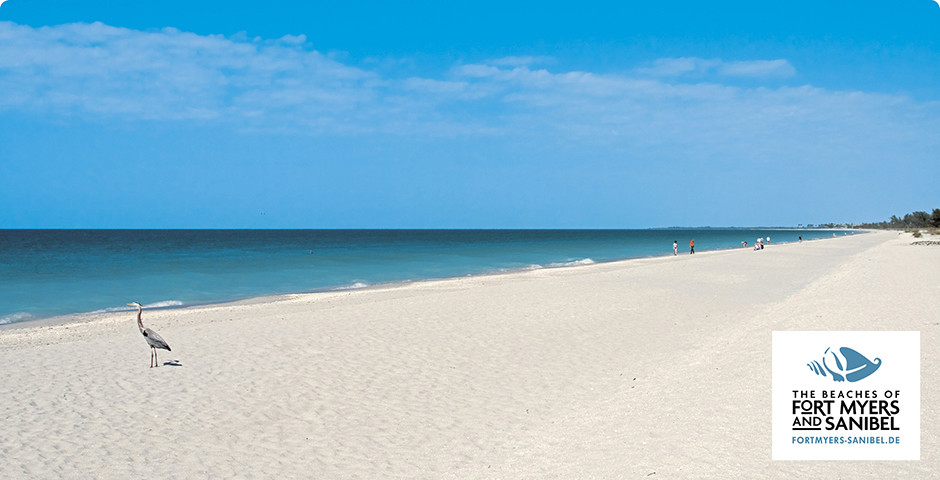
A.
x: 172, y: 363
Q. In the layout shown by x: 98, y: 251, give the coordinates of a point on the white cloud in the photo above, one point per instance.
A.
x: 168, y: 74
x: 95, y: 70
x: 668, y: 67
x: 521, y: 61
x: 691, y: 66
x: 758, y: 68
x: 479, y: 71
x: 294, y: 39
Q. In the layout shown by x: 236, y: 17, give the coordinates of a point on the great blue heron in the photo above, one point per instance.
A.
x: 153, y: 338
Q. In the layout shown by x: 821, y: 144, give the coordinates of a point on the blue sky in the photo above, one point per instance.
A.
x: 466, y: 114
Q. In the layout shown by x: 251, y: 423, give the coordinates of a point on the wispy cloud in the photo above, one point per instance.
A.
x: 521, y: 61
x: 673, y: 67
x: 758, y: 68
x: 169, y: 74
x: 96, y: 70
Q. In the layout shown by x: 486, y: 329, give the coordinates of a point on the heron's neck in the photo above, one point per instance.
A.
x: 140, y: 324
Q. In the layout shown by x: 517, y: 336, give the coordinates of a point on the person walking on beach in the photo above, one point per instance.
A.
x: 675, y: 247
x: 692, y: 246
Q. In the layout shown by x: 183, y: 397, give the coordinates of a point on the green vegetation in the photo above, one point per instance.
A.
x: 911, y: 221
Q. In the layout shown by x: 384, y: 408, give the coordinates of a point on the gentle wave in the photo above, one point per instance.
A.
x: 163, y: 304
x: 354, y: 286
x: 583, y: 261
x: 535, y: 266
x: 15, y: 317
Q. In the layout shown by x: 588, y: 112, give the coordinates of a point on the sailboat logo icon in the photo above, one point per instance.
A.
x: 844, y: 364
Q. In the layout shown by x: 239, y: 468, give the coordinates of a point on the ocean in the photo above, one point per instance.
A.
x: 47, y: 273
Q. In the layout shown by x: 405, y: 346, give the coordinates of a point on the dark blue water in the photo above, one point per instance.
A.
x: 46, y: 273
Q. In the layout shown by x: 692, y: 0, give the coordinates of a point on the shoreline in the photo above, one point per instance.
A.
x: 611, y: 370
x: 80, y: 317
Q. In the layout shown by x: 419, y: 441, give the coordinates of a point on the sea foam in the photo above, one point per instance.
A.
x: 15, y: 317
x: 163, y: 304
x: 583, y: 261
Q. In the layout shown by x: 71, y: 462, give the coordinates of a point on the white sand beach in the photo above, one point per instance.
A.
x: 649, y: 368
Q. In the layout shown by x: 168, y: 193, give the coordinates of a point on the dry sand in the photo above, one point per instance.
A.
x: 651, y: 368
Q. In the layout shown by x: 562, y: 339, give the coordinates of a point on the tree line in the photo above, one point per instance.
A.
x: 911, y: 220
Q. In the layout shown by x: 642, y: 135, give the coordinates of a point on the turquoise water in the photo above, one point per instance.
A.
x: 45, y: 273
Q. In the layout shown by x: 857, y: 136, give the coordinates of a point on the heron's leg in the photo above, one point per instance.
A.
x: 152, y: 353
x: 156, y: 363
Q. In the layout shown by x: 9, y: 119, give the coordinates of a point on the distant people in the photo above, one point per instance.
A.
x: 768, y: 239
x: 675, y: 247
x: 744, y: 243
x: 800, y: 238
x: 691, y: 246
